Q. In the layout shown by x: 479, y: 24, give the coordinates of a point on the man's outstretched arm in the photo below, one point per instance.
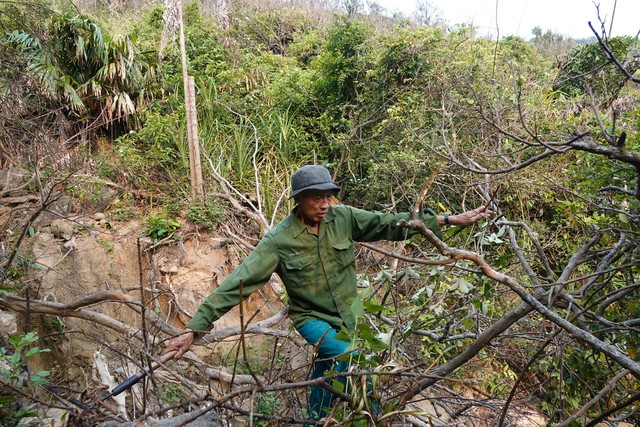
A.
x: 467, y: 218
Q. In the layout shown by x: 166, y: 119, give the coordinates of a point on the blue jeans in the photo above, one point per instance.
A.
x: 320, y: 399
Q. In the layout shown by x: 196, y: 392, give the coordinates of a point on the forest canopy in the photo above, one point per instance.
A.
x: 537, y: 307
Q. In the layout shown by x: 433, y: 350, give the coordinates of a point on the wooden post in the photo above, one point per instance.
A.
x: 192, y: 117
x: 194, y: 142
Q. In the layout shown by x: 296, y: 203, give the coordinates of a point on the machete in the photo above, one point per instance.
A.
x: 132, y: 380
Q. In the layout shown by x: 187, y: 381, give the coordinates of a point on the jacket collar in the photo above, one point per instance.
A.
x: 297, y: 227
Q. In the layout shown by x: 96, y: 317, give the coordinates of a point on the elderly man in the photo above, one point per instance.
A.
x: 312, y: 250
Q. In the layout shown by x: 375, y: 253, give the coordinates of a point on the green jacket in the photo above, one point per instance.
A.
x: 318, y: 271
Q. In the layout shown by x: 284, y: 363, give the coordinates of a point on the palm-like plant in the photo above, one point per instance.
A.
x: 98, y: 76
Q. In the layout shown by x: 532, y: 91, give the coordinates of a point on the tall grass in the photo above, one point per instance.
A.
x: 257, y: 154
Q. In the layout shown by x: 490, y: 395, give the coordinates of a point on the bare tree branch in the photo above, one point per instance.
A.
x: 607, y: 51
x: 621, y: 358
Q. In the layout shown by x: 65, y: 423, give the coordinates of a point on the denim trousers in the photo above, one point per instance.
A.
x: 320, y: 399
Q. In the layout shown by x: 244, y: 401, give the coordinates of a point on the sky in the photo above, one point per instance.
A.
x: 519, y: 17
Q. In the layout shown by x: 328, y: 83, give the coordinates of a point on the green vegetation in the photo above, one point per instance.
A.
x: 208, y: 214
x: 172, y: 394
x: 159, y: 228
x: 546, y: 130
x: 13, y: 377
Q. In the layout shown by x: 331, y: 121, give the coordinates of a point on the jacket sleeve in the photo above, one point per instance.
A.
x: 248, y: 277
x: 371, y: 226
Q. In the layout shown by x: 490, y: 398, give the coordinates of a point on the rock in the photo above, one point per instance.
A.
x: 82, y: 351
x: 210, y: 419
x: 71, y: 243
x: 20, y: 200
x: 52, y: 417
x: 300, y: 360
x: 169, y: 269
x: 101, y: 198
x: 11, y: 181
x: 29, y: 422
x: 98, y: 216
x: 55, y: 415
x: 8, y: 324
x: 61, y: 207
x: 62, y: 229
x: 167, y: 266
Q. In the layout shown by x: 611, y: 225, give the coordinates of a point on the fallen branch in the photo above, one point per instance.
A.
x: 262, y: 327
x: 21, y: 305
x: 613, y: 352
x: 76, y: 309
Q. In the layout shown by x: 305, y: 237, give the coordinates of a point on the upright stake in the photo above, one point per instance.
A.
x: 192, y: 118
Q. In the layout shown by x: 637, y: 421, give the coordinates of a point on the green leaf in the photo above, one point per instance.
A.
x: 373, y: 307
x: 623, y: 218
x: 429, y: 291
x: 343, y: 335
x: 39, y: 377
x: 385, y: 337
x: 6, y: 400
x: 357, y: 308
x: 377, y: 344
x: 463, y: 286
x: 338, y: 385
x: 31, y: 352
x: 367, y: 293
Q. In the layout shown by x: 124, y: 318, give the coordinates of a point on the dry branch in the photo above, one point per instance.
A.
x: 613, y: 352
x: 22, y: 305
x: 612, y: 57
x: 601, y: 395
x: 76, y: 309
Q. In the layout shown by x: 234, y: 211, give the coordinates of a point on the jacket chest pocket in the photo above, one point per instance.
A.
x: 344, y: 253
x: 301, y: 269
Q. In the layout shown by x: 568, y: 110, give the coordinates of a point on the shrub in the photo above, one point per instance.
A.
x: 159, y: 228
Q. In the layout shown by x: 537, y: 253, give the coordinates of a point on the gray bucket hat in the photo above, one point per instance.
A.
x: 311, y: 177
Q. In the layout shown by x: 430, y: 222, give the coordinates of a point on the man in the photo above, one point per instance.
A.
x: 312, y: 251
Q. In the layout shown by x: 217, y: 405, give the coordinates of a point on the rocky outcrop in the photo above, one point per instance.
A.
x: 70, y: 256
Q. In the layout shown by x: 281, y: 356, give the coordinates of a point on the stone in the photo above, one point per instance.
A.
x: 71, y: 244
x: 20, y: 200
x: 169, y: 269
x: 210, y: 419
x: 60, y: 208
x: 13, y: 179
x: 62, y: 229
x: 8, y: 324
x: 52, y: 417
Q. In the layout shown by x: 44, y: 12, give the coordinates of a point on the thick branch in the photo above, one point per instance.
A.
x: 612, y: 152
x: 75, y: 309
x: 474, y: 348
x: 613, y: 352
x: 20, y: 305
x: 407, y: 258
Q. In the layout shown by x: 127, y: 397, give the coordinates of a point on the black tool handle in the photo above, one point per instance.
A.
x: 128, y: 383
x: 133, y: 379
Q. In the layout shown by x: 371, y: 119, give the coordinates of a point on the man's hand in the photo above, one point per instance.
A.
x: 467, y: 218
x: 180, y: 343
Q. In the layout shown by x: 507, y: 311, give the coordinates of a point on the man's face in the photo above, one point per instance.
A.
x: 313, y: 205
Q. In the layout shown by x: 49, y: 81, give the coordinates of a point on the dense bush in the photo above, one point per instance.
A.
x: 459, y: 118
